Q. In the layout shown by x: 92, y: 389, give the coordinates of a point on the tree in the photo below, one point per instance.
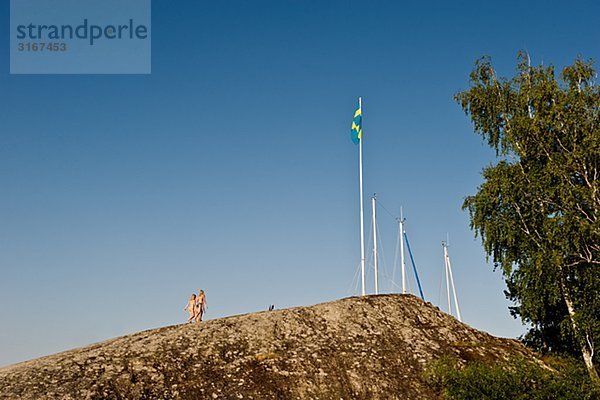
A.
x: 537, y: 212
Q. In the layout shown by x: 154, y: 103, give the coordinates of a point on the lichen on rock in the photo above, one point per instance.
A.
x: 372, y: 347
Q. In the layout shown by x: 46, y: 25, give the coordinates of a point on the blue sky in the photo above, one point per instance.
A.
x: 230, y: 168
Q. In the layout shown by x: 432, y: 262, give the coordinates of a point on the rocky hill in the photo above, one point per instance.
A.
x: 373, y: 347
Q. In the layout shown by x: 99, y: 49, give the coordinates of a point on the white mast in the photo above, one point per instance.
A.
x: 450, y: 281
x: 402, y: 264
x: 375, y: 245
x: 362, y: 223
x: 453, y: 289
x: 447, y: 280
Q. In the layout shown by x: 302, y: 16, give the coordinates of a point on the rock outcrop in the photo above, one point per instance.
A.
x: 373, y: 347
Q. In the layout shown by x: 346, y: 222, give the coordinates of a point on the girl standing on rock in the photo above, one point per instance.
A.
x: 191, y: 307
x: 201, y: 305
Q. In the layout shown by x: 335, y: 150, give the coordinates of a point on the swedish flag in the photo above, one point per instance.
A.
x: 356, y: 131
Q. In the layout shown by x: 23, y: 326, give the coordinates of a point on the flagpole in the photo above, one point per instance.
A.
x: 362, y: 223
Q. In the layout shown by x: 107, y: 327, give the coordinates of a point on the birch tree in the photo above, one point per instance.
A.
x: 537, y: 211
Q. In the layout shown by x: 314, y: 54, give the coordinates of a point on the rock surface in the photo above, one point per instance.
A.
x: 373, y: 347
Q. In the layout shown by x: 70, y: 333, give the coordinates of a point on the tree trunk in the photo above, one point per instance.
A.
x: 586, y: 351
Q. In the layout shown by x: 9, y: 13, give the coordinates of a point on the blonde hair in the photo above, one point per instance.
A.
x: 201, y: 292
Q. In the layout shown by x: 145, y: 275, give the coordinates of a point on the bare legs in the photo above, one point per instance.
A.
x: 199, y: 313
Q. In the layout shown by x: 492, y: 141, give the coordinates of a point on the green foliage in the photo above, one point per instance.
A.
x: 538, y: 210
x: 517, y: 379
